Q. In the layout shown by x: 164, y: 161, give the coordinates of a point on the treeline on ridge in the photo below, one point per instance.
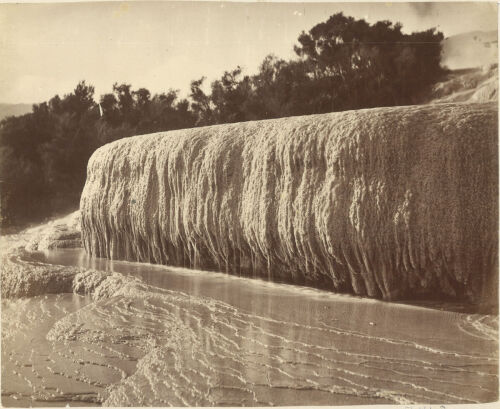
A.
x: 341, y: 64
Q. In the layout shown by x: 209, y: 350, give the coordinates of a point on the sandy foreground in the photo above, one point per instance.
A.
x: 97, y: 332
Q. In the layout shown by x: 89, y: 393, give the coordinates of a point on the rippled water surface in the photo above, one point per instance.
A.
x: 181, y: 337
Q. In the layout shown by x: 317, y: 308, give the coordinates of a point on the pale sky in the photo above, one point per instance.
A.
x: 45, y: 49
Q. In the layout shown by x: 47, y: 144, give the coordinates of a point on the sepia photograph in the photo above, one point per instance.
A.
x: 261, y: 203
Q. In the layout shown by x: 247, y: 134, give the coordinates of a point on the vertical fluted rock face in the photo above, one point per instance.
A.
x: 388, y: 202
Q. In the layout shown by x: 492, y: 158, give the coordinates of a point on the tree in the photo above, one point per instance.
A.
x: 110, y: 110
x: 202, y: 106
x: 369, y: 65
x: 79, y: 101
x: 231, y: 96
x: 125, y: 102
x: 142, y: 98
x: 281, y: 89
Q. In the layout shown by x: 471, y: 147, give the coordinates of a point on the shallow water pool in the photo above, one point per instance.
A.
x: 171, y: 336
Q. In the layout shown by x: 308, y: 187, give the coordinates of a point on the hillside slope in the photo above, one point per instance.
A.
x: 470, y: 85
x: 473, y: 60
x: 469, y: 50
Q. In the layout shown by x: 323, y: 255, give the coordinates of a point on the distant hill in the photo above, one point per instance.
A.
x: 469, y: 50
x: 14, y: 109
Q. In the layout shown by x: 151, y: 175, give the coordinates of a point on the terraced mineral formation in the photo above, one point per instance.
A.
x: 387, y: 203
